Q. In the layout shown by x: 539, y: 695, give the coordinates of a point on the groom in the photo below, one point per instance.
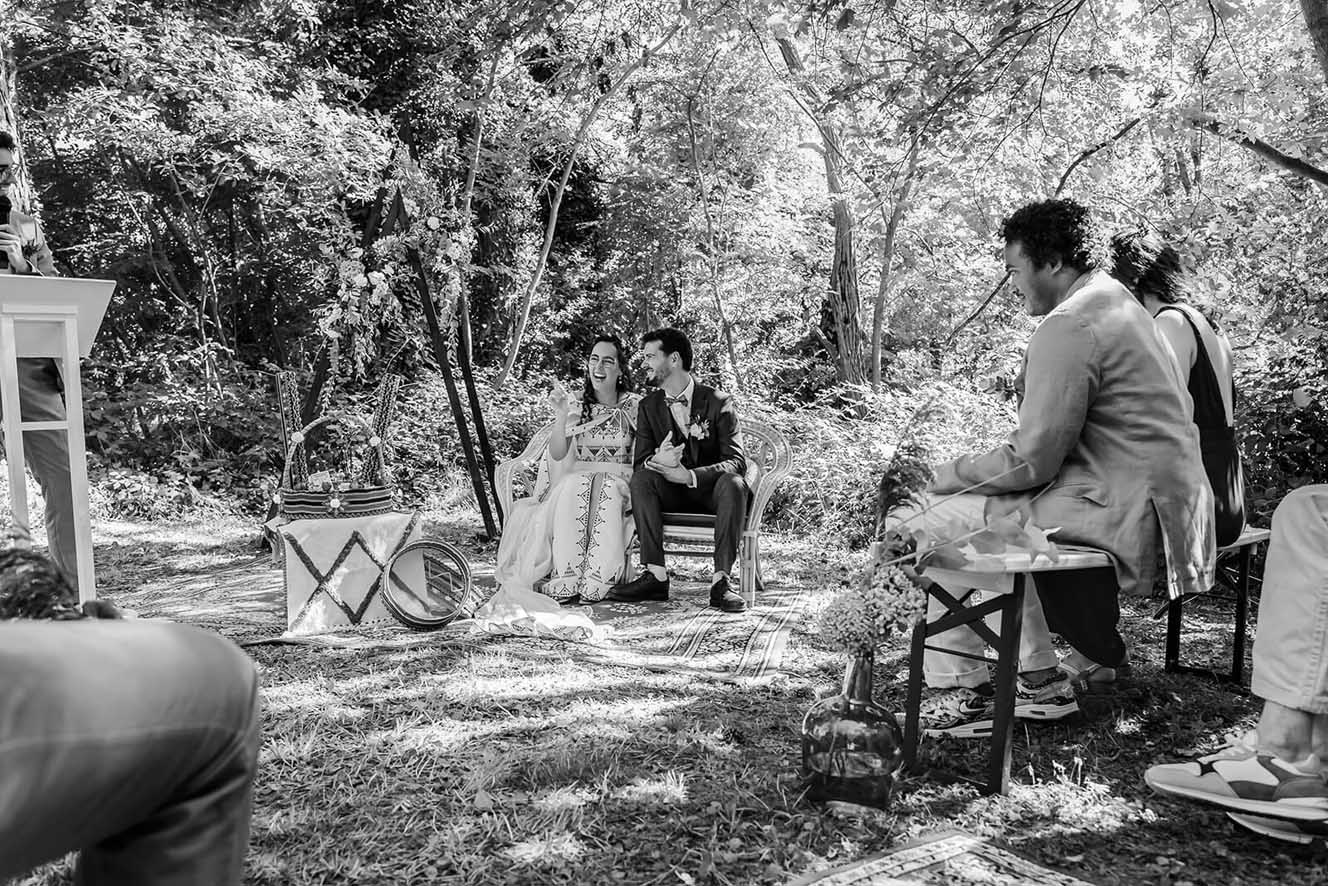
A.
x: 688, y: 458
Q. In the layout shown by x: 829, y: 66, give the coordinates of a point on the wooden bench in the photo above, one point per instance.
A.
x: 1243, y: 549
x: 1007, y: 585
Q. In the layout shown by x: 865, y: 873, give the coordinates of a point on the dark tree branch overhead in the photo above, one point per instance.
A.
x: 1262, y: 148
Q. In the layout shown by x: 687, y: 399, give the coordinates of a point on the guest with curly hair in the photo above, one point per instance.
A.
x: 1104, y: 450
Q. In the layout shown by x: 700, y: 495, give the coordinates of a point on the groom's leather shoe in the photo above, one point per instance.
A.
x: 641, y: 589
x: 724, y: 597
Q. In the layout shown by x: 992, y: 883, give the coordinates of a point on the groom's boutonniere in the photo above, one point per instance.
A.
x: 699, y: 430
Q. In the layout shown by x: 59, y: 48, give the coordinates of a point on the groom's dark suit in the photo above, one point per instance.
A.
x: 713, y: 453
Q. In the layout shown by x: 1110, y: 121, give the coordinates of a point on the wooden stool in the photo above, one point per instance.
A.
x: 1008, y: 584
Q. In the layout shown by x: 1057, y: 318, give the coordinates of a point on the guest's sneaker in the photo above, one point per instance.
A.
x: 724, y: 597
x: 1051, y: 699
x: 1304, y: 833
x: 1241, y: 779
x: 643, y: 588
x: 961, y: 712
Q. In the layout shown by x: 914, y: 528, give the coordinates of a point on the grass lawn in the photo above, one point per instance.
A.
x: 473, y: 762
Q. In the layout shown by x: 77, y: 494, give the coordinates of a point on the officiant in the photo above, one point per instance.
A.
x: 23, y: 250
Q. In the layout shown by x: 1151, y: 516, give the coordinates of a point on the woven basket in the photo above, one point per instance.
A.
x: 370, y: 493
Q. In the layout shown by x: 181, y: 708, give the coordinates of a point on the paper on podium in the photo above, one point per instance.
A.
x: 19, y: 293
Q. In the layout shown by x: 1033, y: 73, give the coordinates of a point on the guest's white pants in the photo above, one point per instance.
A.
x: 944, y: 514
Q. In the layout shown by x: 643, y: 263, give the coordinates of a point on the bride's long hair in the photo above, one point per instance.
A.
x: 588, y: 400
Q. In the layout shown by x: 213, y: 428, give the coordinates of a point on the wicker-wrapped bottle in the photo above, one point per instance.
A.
x: 852, y: 749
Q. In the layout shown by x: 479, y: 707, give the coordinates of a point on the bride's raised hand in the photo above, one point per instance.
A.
x: 560, y: 401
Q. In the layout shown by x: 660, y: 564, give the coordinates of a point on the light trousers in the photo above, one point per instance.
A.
x: 47, y: 456
x: 945, y: 516
x: 1291, y: 644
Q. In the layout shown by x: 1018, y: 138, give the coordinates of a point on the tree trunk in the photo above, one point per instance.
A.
x: 523, y: 314
x: 1316, y: 19
x: 21, y: 190
x: 887, y: 257
x: 712, y: 247
x: 839, y: 313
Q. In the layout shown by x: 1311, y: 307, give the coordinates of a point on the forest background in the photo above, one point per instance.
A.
x: 813, y: 191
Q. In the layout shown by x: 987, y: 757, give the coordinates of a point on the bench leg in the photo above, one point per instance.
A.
x: 1007, y: 667
x: 912, y: 732
x: 1242, y: 616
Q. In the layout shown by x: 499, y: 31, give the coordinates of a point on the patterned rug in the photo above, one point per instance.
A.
x: 684, y: 634
x: 245, y: 601
x: 949, y: 858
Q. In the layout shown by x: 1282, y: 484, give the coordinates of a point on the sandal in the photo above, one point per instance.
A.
x: 1096, y: 678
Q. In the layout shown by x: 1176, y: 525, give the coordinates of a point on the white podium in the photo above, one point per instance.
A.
x: 50, y: 317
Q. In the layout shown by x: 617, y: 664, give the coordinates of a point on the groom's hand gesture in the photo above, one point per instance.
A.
x: 666, y: 462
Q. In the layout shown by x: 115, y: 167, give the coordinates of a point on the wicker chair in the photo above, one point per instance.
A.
x: 769, y: 459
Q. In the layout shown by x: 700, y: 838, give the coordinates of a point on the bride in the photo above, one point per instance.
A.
x: 577, y: 532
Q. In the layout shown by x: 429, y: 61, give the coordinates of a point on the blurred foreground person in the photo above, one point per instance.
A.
x: 133, y: 743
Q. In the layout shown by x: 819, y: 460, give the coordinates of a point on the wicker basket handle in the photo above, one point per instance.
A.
x: 297, y: 441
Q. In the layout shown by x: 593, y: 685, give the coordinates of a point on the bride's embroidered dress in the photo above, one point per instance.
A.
x: 577, y: 531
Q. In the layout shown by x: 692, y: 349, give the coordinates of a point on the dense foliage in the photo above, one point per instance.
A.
x: 812, y: 190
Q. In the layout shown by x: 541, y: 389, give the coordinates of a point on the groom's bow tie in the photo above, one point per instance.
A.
x: 680, y: 400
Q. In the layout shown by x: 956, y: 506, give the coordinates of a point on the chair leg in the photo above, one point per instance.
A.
x: 751, y: 572
x: 1007, y: 666
x: 912, y: 705
x: 1242, y: 616
x: 1172, y: 661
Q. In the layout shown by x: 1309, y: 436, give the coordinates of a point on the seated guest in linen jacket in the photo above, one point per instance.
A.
x: 1104, y: 450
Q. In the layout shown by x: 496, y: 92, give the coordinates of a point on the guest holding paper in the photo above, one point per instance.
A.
x: 577, y: 531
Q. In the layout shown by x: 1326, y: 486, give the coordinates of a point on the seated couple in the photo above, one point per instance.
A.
x: 616, y: 463
x: 1106, y: 449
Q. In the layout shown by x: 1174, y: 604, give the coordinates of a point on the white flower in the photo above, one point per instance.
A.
x: 375, y: 441
x: 296, y: 438
x: 334, y: 503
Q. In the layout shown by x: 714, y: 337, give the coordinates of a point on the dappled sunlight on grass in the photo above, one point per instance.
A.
x: 505, y: 762
x: 550, y: 849
x: 671, y: 787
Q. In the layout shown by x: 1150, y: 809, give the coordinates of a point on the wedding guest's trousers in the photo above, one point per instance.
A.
x: 1082, y: 606
x: 653, y: 496
x: 47, y: 456
x: 1291, y: 643
x: 134, y: 743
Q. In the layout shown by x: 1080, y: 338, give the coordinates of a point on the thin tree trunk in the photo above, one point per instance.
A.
x: 21, y: 190
x: 887, y: 257
x: 839, y: 315
x: 1316, y: 20
x: 712, y: 247
x: 523, y: 314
